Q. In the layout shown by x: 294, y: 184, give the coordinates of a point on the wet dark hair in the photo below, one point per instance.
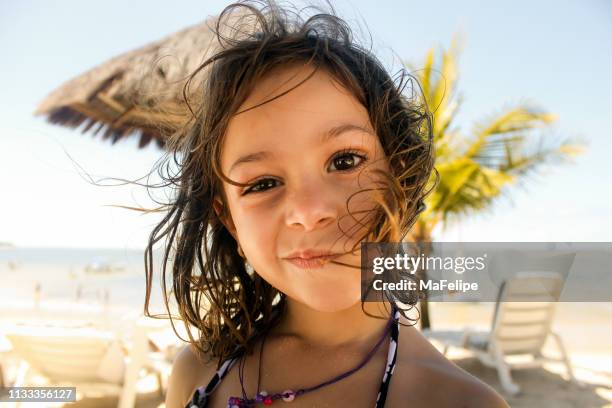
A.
x: 216, y: 292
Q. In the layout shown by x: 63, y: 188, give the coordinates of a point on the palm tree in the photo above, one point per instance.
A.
x: 478, y: 168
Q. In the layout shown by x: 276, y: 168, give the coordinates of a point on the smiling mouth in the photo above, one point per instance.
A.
x: 313, y: 262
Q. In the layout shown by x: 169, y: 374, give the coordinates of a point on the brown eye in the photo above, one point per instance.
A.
x: 347, y: 161
x: 261, y: 185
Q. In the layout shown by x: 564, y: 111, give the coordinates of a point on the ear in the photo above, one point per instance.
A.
x: 224, y: 216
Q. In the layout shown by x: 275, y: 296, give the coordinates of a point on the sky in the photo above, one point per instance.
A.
x: 555, y: 54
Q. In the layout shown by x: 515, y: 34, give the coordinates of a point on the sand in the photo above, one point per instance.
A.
x: 586, y: 329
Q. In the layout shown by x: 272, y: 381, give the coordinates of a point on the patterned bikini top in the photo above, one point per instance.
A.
x: 201, y: 396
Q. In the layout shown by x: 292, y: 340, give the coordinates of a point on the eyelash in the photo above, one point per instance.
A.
x: 340, y: 154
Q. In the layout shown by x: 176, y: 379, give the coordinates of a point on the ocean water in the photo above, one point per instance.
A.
x: 50, y: 274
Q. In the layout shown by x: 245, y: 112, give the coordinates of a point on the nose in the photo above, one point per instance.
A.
x: 311, y: 207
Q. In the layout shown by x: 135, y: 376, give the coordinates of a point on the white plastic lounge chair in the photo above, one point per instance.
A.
x: 85, y: 358
x: 5, y: 350
x: 520, y: 327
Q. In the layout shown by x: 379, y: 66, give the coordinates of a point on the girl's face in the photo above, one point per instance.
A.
x: 302, y: 155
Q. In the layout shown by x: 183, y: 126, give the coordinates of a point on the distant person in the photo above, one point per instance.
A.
x: 79, y: 292
x: 37, y: 294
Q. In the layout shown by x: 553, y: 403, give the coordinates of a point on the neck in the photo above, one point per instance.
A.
x: 348, y: 328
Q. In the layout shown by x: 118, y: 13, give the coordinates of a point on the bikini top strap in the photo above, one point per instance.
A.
x: 391, y: 359
x: 201, y: 395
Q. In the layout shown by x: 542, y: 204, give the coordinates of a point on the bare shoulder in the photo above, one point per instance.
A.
x: 188, y: 373
x: 451, y: 386
x: 423, y: 376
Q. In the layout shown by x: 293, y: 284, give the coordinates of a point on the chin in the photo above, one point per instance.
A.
x: 325, y: 300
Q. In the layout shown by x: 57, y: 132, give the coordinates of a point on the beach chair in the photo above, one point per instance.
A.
x: 86, y: 358
x: 5, y: 350
x: 519, y: 327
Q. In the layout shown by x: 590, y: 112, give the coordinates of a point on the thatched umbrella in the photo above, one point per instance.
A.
x: 136, y: 92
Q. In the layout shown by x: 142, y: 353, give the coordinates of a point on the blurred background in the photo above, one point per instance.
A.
x: 530, y: 78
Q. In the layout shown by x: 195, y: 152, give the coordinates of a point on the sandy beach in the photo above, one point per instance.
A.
x: 586, y: 329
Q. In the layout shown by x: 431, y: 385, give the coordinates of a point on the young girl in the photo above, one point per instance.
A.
x: 301, y: 148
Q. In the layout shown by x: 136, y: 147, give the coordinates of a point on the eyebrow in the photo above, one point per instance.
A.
x: 330, y: 134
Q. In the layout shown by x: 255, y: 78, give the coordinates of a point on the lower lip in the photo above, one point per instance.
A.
x: 312, y: 263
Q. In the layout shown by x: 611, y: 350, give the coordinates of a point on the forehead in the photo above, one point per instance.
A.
x: 310, y: 85
x: 305, y: 112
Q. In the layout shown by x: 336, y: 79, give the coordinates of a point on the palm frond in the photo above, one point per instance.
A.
x: 438, y: 84
x: 502, y: 129
x: 424, y: 75
x: 504, y: 150
x: 465, y: 187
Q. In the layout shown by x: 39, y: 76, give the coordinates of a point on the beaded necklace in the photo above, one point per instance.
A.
x: 262, y: 397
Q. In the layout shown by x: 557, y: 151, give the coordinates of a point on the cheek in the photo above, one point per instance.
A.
x: 256, y: 232
x: 359, y: 204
